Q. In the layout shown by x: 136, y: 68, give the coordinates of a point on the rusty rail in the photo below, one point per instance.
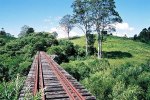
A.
x: 39, y: 84
x: 41, y: 78
x: 36, y: 85
x: 68, y: 87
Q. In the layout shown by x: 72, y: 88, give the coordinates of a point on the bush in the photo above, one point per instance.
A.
x: 83, y: 69
x: 2, y: 42
x: 3, y: 72
x: 58, y: 51
x: 10, y: 90
x: 68, y: 48
x: 100, y: 84
x: 54, y: 50
x: 81, y: 52
x: 72, y: 69
x: 24, y: 67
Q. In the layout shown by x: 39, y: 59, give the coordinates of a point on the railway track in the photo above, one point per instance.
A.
x: 53, y: 81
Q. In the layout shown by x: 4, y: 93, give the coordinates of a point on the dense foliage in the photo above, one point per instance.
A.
x: 124, y: 82
x: 16, y: 55
x: 144, y: 35
x: 122, y: 76
x: 25, y: 30
x: 107, y: 78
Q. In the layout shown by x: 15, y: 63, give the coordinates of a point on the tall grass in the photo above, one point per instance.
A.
x: 140, y: 51
x: 11, y: 90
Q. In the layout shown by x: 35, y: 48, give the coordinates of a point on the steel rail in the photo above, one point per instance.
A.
x: 38, y: 73
x: 67, y: 85
x: 41, y: 76
x: 36, y: 85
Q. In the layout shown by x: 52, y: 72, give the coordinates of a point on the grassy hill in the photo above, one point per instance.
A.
x: 121, y: 50
x: 123, y: 74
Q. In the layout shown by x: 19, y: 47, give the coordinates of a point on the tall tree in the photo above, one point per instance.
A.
x: 81, y: 15
x: 2, y: 32
x: 66, y: 24
x: 103, y: 16
x: 25, y: 30
x: 144, y: 35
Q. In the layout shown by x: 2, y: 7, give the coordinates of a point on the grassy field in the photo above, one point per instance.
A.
x: 121, y: 50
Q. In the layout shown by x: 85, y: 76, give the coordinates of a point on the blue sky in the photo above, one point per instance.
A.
x: 44, y: 15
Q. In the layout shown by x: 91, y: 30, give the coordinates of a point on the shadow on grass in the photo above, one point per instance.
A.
x: 116, y: 54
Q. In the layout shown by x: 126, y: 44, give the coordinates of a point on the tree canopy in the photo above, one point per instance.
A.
x: 2, y: 32
x: 144, y: 35
x: 25, y: 30
x: 66, y: 24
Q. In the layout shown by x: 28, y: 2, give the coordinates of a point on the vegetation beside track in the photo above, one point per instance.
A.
x: 122, y: 73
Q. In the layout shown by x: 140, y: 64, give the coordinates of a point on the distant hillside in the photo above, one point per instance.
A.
x: 120, y: 50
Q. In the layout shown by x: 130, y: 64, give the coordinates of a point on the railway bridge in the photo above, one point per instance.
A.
x: 52, y: 82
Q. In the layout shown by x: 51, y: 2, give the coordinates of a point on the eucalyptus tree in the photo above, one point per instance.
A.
x: 25, y: 30
x: 82, y: 17
x: 66, y: 24
x: 104, y: 16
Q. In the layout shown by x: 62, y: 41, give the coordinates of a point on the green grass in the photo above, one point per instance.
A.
x: 140, y: 51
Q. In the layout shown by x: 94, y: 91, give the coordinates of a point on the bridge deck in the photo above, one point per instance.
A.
x: 53, y: 81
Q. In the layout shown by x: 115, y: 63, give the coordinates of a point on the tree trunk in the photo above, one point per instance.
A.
x: 86, y: 36
x: 86, y: 45
x: 68, y: 36
x: 99, y: 46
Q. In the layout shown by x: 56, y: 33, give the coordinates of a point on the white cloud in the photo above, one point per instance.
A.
x: 131, y: 29
x: 124, y: 26
x: 61, y: 33
x: 123, y: 29
x: 54, y: 29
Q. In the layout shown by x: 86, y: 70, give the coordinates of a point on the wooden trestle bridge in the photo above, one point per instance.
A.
x: 53, y: 81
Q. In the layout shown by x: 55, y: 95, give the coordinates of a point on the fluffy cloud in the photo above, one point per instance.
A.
x: 54, y: 29
x: 123, y: 29
x: 61, y: 33
x: 124, y: 26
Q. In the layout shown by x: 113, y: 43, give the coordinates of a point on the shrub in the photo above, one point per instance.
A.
x: 3, y: 72
x: 100, y: 84
x: 10, y: 90
x: 2, y: 42
x: 54, y: 50
x: 81, y: 52
x: 24, y: 67
x: 68, y: 47
x: 57, y: 50
x: 83, y: 69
